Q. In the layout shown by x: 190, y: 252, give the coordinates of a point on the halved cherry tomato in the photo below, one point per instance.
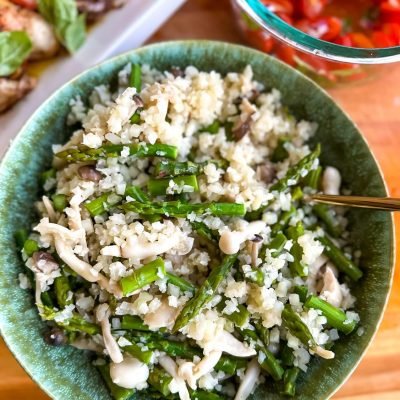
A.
x: 393, y: 31
x: 325, y: 28
x: 285, y: 53
x: 310, y: 8
x: 358, y: 39
x: 390, y: 11
x: 381, y: 39
x: 261, y: 40
x: 344, y: 40
x: 286, y: 17
x: 279, y: 6
x: 31, y: 4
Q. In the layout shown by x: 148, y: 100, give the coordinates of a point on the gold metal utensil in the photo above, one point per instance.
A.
x: 378, y: 203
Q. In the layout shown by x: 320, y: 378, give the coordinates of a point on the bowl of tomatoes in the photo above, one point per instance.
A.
x: 332, y: 41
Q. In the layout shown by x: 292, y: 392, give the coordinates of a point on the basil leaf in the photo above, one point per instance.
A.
x: 69, y: 26
x: 14, y: 49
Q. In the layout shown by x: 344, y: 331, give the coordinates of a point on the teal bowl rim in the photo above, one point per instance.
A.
x: 48, y: 386
x: 300, y: 40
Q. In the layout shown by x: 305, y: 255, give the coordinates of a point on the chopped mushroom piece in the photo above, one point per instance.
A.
x: 266, y: 172
x: 89, y: 173
x: 130, y: 373
x: 49, y: 208
x: 163, y: 317
x: 331, y: 181
x: 227, y: 343
x: 12, y: 90
x: 178, y: 384
x: 249, y: 380
x: 331, y: 290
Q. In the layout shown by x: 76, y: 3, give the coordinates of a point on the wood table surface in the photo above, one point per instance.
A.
x: 375, y: 107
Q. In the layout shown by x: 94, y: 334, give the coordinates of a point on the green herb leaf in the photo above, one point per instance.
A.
x: 14, y: 49
x: 69, y: 26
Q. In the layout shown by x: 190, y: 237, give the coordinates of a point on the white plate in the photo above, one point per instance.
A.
x: 120, y: 30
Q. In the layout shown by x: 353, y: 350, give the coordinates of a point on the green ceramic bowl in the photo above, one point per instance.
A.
x: 66, y: 373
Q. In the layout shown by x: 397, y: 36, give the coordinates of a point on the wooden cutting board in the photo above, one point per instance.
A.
x: 375, y: 106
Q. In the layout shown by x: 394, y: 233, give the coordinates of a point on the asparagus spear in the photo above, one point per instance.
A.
x: 287, y: 356
x: 280, y: 153
x: 136, y: 193
x: 135, y: 78
x: 339, y: 259
x: 160, y: 380
x: 143, y: 276
x: 30, y: 247
x: 136, y: 351
x: 62, y: 289
x: 297, y: 267
x: 101, y: 204
x: 325, y: 214
x: 167, y: 168
x: 212, y: 128
x: 205, y: 232
x: 179, y: 209
x: 335, y: 316
x: 205, y: 293
x: 84, y: 154
x: 302, y: 291
x: 59, y: 201
x: 74, y: 324
x: 186, y: 184
x: 46, y: 175
x: 267, y: 360
x: 283, y: 221
x: 117, y: 392
x: 205, y: 395
x: 240, y: 317
x: 292, y: 178
x: 134, y: 322
x: 47, y: 299
x: 262, y: 332
x: 21, y: 236
x: 276, y: 246
x: 289, y: 381
x: 313, y: 179
x: 181, y: 283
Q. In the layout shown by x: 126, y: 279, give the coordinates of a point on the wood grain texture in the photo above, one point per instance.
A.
x: 375, y: 106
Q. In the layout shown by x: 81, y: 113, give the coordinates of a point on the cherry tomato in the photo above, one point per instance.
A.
x: 285, y: 53
x: 261, y: 40
x: 279, y: 6
x: 393, y: 30
x: 344, y: 40
x: 381, y: 39
x: 325, y: 28
x: 31, y: 4
x: 358, y: 39
x: 286, y: 17
x: 311, y: 8
x: 390, y: 11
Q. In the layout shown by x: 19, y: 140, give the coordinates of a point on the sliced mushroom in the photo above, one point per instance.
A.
x: 266, y: 172
x: 163, y: 317
x: 178, y: 384
x: 138, y: 101
x: 230, y: 241
x: 331, y: 290
x: 49, y: 208
x: 331, y: 181
x: 102, y: 316
x: 249, y: 380
x: 242, y: 129
x: 55, y: 337
x: 227, y: 343
x: 89, y: 173
x: 130, y: 373
x: 323, y: 353
x: 87, y: 344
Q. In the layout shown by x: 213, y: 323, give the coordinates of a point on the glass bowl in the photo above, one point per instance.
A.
x: 330, y: 64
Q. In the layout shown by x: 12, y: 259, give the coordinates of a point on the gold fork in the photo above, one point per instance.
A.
x: 377, y: 203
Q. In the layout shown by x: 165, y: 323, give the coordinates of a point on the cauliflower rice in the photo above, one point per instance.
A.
x: 175, y: 242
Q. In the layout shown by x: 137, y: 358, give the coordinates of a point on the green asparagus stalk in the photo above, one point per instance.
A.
x: 205, y: 293
x: 255, y: 276
x: 135, y: 119
x: 276, y: 246
x: 102, y: 204
x: 21, y: 236
x: 313, y: 179
x: 179, y: 282
x: 117, y: 392
x: 134, y: 322
x: 205, y: 395
x: 136, y: 351
x: 135, y: 78
x: 339, y: 259
x: 335, y: 316
x: 160, y: 380
x: 179, y: 209
x: 46, y: 299
x: 283, y: 221
x: 267, y: 360
x: 30, y: 247
x: 262, y: 332
x: 297, y: 267
x: 302, y: 291
x: 205, y: 232
x: 324, y: 213
x: 167, y: 168
x: 143, y: 276
x: 59, y: 201
x: 297, y: 327
x: 186, y: 184
x: 74, y: 324
x: 62, y: 289
x: 297, y: 193
x: 240, y: 318
x: 212, y: 128
x: 84, y: 154
x: 280, y: 153
x: 287, y: 356
x: 289, y: 381
x: 46, y: 175
x: 137, y: 193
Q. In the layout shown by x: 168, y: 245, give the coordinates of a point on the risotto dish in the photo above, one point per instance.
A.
x: 176, y: 240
